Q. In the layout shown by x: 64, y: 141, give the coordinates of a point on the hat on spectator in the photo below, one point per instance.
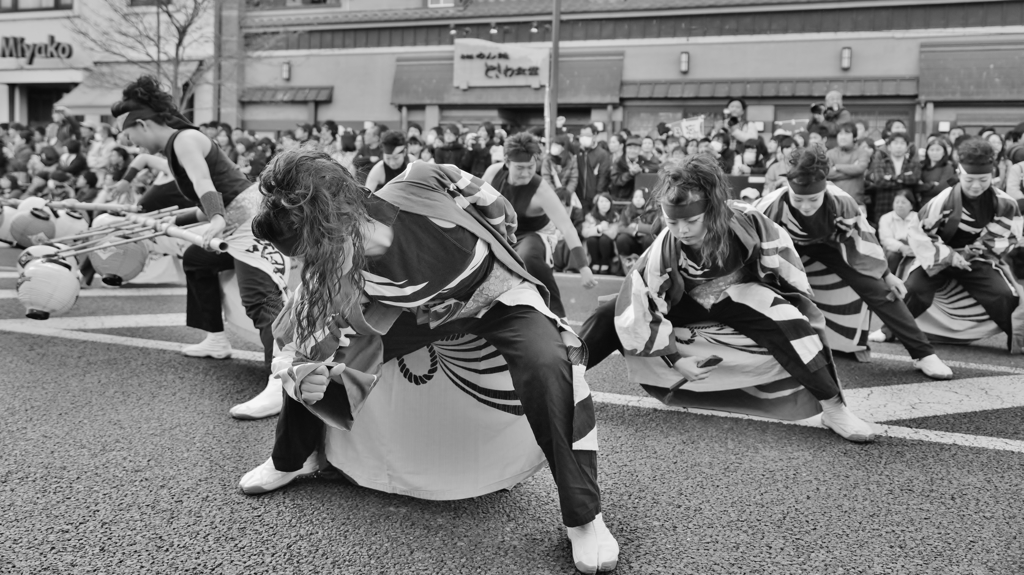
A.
x: 750, y: 194
x: 49, y: 155
x: 634, y: 141
x: 60, y: 176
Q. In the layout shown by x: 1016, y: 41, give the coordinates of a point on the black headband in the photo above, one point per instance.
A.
x: 808, y: 189
x: 978, y: 168
x: 520, y: 156
x: 129, y: 119
x: 684, y: 211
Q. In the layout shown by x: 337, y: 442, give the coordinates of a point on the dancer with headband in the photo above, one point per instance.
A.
x: 227, y: 200
x: 722, y: 262
x: 540, y: 213
x: 827, y: 226
x: 424, y: 258
x: 963, y: 233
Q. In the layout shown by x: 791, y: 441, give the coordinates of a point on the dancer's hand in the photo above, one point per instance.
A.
x: 896, y: 286
x: 688, y: 367
x: 960, y: 262
x: 313, y: 386
x: 587, y: 279
x: 217, y: 225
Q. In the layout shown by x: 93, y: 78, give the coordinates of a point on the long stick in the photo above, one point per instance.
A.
x: 163, y: 228
x: 117, y: 226
x: 84, y: 206
x: 77, y: 251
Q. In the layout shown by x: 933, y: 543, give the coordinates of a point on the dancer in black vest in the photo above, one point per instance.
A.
x: 539, y: 213
x: 227, y: 199
x: 396, y: 160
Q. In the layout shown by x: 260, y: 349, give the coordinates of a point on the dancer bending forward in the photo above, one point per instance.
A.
x: 826, y: 225
x: 721, y: 261
x: 229, y: 201
x: 424, y: 258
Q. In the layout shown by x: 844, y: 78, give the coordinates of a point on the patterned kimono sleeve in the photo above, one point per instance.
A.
x: 1004, y: 232
x: 777, y: 255
x: 923, y: 236
x: 336, y: 344
x: 856, y: 238
x: 642, y: 304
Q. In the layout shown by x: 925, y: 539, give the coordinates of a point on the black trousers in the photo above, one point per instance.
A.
x: 628, y: 245
x: 599, y: 335
x: 260, y: 294
x: 601, y: 249
x: 541, y: 375
x: 876, y: 295
x: 532, y: 248
x: 982, y: 281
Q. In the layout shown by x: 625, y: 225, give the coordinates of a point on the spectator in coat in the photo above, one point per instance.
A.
x: 736, y: 121
x: 368, y: 155
x: 594, y: 166
x: 451, y: 151
x: 624, y: 171
x: 849, y: 163
x: 1015, y: 176
x: 23, y: 151
x: 829, y: 116
x: 775, y: 177
x: 72, y: 161
x: 559, y: 168
x: 892, y: 170
x: 937, y: 172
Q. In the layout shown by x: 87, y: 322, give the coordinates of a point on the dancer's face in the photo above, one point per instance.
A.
x: 141, y: 134
x: 974, y: 184
x: 807, y: 205
x: 396, y: 158
x: 689, y: 231
x: 520, y: 173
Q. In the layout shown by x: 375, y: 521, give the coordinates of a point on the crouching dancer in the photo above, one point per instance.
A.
x: 424, y: 258
x: 827, y: 227
x: 721, y: 262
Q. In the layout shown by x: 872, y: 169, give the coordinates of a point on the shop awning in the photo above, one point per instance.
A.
x: 104, y: 83
x: 972, y: 72
x: 718, y: 89
x: 291, y: 94
x: 584, y: 80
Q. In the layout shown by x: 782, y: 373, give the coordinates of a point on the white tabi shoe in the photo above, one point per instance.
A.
x: 216, y: 345
x: 267, y: 478
x: 877, y: 336
x: 837, y: 417
x: 933, y: 367
x: 266, y: 404
x: 593, y: 547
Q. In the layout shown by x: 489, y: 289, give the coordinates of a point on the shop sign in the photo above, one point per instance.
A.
x: 479, y: 63
x: 17, y: 47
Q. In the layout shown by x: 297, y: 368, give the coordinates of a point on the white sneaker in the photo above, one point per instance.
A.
x: 267, y: 478
x: 266, y: 404
x: 216, y: 345
x: 840, y: 419
x: 593, y: 547
x: 877, y: 336
x: 933, y: 367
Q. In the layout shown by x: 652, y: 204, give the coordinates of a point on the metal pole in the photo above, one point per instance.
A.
x: 159, y: 69
x: 553, y: 80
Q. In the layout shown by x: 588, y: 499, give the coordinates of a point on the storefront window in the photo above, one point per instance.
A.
x: 28, y: 5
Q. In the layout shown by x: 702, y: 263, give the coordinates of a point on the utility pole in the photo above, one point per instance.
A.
x: 553, y: 80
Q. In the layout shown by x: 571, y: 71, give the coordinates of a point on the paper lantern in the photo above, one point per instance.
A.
x: 29, y: 204
x: 48, y: 287
x: 105, y: 219
x: 69, y: 223
x: 33, y: 227
x: 119, y: 264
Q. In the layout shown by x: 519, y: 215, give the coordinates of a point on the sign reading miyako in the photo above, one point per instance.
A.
x: 17, y: 47
x: 479, y: 63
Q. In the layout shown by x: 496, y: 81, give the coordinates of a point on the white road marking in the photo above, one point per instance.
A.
x: 9, y: 275
x: 888, y: 403
x: 996, y: 443
x: 952, y: 364
x: 113, y: 292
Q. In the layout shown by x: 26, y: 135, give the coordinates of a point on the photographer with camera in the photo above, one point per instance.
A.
x: 829, y: 115
x: 735, y: 121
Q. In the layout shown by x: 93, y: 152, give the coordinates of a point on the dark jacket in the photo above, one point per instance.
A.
x: 75, y: 165
x: 595, y: 166
x: 364, y: 161
x: 454, y: 153
x: 623, y: 182
x: 478, y: 158
x: 934, y: 179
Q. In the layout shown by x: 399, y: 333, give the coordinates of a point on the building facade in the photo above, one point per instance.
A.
x: 631, y: 63
x: 45, y: 60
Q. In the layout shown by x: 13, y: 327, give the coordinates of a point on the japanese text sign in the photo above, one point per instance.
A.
x: 479, y: 63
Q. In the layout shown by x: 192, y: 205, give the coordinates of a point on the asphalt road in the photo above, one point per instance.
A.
x: 123, y: 459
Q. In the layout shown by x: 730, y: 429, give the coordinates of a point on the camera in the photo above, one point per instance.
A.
x: 829, y: 114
